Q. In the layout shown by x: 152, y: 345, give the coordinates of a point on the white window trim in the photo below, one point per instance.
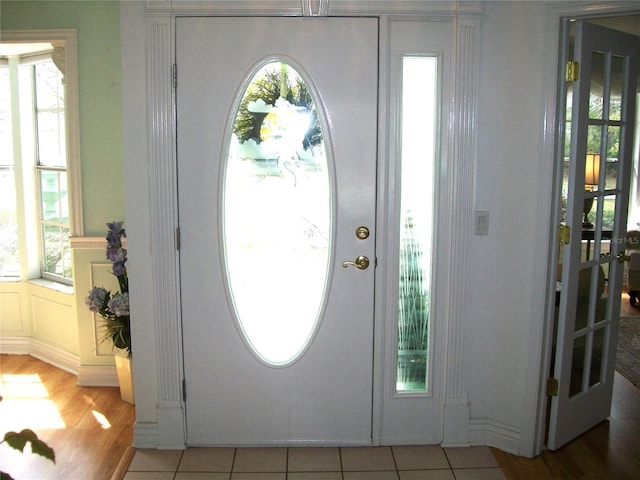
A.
x: 67, y: 40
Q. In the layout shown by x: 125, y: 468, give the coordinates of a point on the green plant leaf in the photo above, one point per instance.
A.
x: 19, y: 440
x: 15, y: 440
x: 41, y: 448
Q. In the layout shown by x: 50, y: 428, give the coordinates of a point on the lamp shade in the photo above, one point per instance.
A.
x: 592, y: 169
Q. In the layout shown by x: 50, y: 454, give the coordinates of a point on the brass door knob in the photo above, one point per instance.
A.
x: 361, y: 263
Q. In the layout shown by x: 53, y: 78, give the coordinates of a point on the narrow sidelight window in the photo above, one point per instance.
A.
x: 418, y: 117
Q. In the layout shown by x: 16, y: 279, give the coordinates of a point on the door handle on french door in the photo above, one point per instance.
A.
x: 361, y: 263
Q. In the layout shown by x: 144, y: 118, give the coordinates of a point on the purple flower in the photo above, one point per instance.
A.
x: 96, y: 298
x: 115, y: 228
x: 114, y: 309
x: 119, y: 304
x: 114, y: 239
x: 117, y: 254
x: 119, y: 268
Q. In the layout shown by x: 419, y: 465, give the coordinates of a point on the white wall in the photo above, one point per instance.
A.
x: 508, y: 267
x: 506, y: 297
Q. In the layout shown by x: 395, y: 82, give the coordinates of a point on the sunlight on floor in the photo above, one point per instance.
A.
x: 101, y: 419
x: 26, y: 402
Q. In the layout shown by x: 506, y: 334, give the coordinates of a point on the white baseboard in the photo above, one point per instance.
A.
x: 88, y: 375
x: 97, y: 376
x: 456, y: 423
x: 484, y: 431
x: 15, y: 345
x: 58, y: 358
x: 145, y: 435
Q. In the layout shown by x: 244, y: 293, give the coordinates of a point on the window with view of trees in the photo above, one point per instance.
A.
x: 52, y: 170
x: 9, y: 254
x: 33, y: 169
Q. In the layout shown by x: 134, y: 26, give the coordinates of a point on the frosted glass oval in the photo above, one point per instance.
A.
x: 277, y: 215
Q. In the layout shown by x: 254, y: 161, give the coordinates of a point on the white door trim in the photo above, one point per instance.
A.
x: 533, y: 428
x: 454, y: 207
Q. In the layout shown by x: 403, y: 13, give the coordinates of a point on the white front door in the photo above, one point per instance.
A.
x: 277, y: 299
x: 599, y: 128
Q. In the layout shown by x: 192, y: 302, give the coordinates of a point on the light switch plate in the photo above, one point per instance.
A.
x: 482, y: 222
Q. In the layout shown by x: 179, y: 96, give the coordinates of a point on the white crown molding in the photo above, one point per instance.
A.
x: 312, y: 7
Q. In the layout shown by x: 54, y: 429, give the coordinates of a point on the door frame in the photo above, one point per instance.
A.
x: 455, y: 175
x: 537, y: 387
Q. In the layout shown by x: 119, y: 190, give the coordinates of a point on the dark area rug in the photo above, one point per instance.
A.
x: 628, y: 354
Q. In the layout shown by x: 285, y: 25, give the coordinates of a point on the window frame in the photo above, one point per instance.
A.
x: 43, y: 167
x: 64, y: 43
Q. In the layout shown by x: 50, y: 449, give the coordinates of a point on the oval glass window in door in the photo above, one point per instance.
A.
x: 277, y: 214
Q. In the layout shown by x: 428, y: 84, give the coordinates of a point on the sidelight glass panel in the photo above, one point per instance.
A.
x: 277, y: 214
x: 418, y: 114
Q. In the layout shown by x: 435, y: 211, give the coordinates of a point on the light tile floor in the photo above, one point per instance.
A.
x: 326, y: 463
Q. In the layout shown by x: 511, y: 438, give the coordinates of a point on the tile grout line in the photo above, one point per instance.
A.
x: 395, y: 462
x: 175, y: 473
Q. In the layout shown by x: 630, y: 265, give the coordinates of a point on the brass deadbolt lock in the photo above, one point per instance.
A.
x: 362, y: 232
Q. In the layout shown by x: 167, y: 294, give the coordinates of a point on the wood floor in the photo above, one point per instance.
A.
x: 90, y: 429
x: 609, y: 451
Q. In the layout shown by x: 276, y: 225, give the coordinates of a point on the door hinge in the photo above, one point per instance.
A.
x: 552, y: 387
x: 622, y: 257
x: 571, y: 72
x: 564, y: 235
x: 178, y: 238
x: 184, y: 390
x: 174, y: 76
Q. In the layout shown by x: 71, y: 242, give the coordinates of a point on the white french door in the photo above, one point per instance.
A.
x: 599, y: 126
x: 277, y: 226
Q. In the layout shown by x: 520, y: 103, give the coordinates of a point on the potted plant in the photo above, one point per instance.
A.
x: 113, y: 308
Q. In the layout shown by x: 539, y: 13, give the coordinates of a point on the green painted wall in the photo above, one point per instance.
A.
x: 97, y: 24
